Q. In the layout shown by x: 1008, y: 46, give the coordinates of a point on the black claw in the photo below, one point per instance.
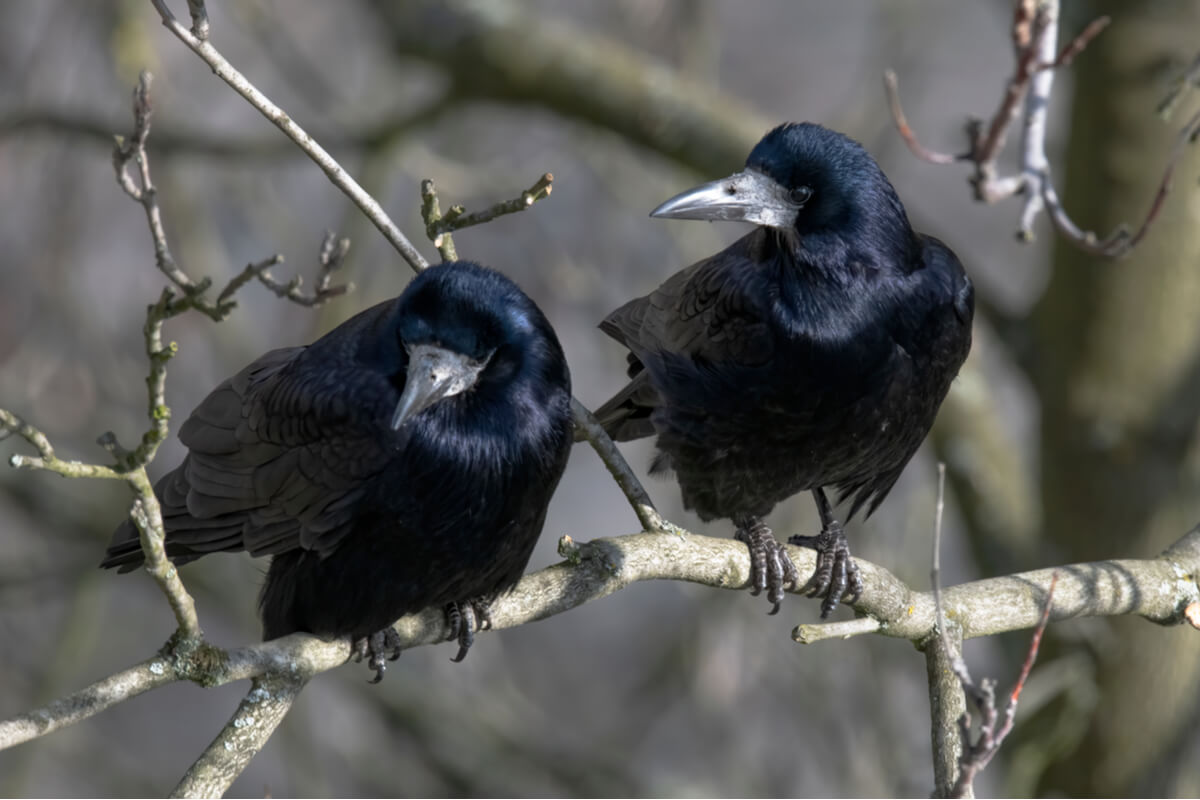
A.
x: 378, y: 648
x: 771, y: 568
x: 464, y: 619
x: 836, y: 577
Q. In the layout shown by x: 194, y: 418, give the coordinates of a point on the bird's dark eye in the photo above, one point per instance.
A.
x: 800, y: 195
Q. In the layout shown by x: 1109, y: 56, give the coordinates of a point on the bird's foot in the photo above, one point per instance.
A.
x: 378, y: 648
x: 464, y: 619
x: 770, y: 566
x: 836, y: 577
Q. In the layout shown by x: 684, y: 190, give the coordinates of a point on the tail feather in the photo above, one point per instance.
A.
x: 626, y: 415
x: 125, y: 551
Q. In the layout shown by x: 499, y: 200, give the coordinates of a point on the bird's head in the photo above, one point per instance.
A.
x: 465, y: 327
x: 802, y: 178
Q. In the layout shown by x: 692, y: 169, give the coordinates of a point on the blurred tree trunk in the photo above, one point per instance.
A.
x: 1119, y: 377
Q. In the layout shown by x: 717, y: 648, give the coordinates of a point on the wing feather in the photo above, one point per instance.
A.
x: 279, y: 456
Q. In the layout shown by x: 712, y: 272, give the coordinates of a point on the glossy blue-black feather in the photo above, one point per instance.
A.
x: 295, y: 457
x: 805, y: 355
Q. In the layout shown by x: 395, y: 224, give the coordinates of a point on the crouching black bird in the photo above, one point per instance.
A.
x: 402, y: 461
x: 814, y: 352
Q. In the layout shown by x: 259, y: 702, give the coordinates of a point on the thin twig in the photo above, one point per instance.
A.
x: 332, y: 257
x: 133, y: 148
x: 1035, y: 165
x: 1079, y: 43
x: 1036, y: 57
x: 146, y: 514
x: 340, y: 178
x: 618, y: 467
x: 333, y: 251
x: 1031, y: 28
x: 935, y: 573
x: 431, y: 212
x: 456, y: 218
x: 1188, y: 78
x: 249, y: 273
x: 842, y: 629
x: 10, y: 423
x: 332, y: 254
x: 948, y: 656
x: 199, y: 16
x: 1187, y: 136
x: 891, y: 85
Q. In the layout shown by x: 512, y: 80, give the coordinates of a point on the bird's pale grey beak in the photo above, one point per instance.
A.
x: 744, y: 196
x: 434, y: 373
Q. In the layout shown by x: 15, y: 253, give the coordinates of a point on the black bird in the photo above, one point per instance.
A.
x: 402, y: 461
x: 813, y: 352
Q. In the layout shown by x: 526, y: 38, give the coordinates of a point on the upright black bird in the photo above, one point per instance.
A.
x: 813, y: 352
x: 402, y: 461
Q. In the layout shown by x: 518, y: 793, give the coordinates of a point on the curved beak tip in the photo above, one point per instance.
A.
x: 434, y: 373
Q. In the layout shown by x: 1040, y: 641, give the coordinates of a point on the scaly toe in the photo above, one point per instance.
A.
x: 379, y: 648
x: 836, y: 576
x: 464, y: 619
x: 771, y: 568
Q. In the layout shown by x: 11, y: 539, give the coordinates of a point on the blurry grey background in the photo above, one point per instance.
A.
x: 664, y: 689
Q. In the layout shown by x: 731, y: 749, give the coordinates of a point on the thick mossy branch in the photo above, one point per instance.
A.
x: 1158, y: 589
x: 258, y: 715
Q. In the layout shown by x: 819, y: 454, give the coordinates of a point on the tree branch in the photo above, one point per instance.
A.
x: 258, y: 715
x: 130, y: 464
x: 364, y: 135
x: 640, y: 502
x: 88, y: 702
x: 133, y: 148
x: 618, y: 467
x: 1035, y: 37
x: 593, y: 569
x: 438, y: 226
x: 994, y: 727
x: 947, y: 705
x: 1158, y: 589
x: 508, y: 52
x: 145, y: 512
x: 238, y: 82
x: 10, y: 423
x: 456, y: 218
